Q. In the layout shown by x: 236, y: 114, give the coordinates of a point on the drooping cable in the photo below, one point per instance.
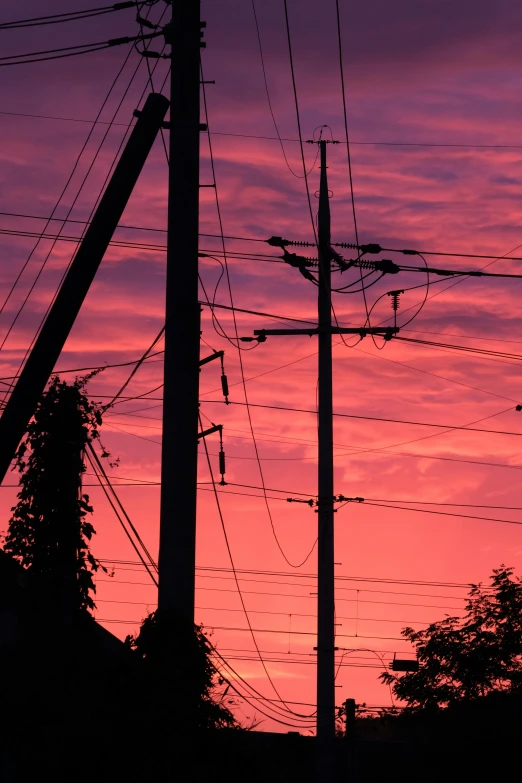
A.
x: 229, y: 285
x: 265, y: 80
x: 298, y: 118
x: 128, y: 127
x: 69, y: 51
x: 227, y: 543
x: 99, y: 475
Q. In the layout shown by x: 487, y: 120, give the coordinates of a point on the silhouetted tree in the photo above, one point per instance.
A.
x: 183, y: 684
x: 49, y: 532
x: 469, y: 657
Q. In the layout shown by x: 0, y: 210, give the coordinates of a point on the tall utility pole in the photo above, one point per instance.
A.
x: 325, y: 499
x: 326, y: 756
x: 179, y: 458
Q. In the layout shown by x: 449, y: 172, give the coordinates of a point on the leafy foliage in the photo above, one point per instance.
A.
x: 51, y: 511
x: 179, y: 670
x: 469, y: 657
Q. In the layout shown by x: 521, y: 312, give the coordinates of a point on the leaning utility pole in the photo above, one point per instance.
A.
x: 41, y: 362
x: 326, y: 757
x: 179, y: 458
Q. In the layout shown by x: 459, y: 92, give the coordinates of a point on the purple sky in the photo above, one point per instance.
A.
x: 433, y: 95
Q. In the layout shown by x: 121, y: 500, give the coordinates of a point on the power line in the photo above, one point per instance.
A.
x: 232, y: 308
x: 356, y: 450
x: 243, y: 381
x: 76, y: 197
x: 234, y: 237
x: 290, y: 492
x: 269, y: 630
x: 487, y: 353
x: 442, y: 513
x: 277, y: 614
x: 349, y: 160
x: 311, y: 596
x: 448, y: 427
x: 135, y: 369
x: 269, y: 593
x: 463, y: 279
x: 285, y: 138
x: 69, y: 179
x: 298, y: 118
x: 209, y: 465
x: 465, y: 336
x: 71, y: 51
x: 261, y: 55
x: 95, y: 465
x: 68, y: 16
x: 61, y: 371
x: 338, y: 577
x: 437, y: 503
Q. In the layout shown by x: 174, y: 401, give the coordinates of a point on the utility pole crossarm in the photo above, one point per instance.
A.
x: 210, y: 431
x: 387, y: 331
x: 207, y: 359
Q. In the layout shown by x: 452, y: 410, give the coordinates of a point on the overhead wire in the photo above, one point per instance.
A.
x: 70, y: 51
x: 298, y: 118
x: 13, y: 322
x: 439, y: 513
x: 135, y: 532
x: 67, y: 16
x: 129, y: 125
x: 338, y: 577
x: 68, y: 181
x: 349, y: 158
x: 265, y: 80
x: 447, y: 427
x: 463, y: 279
x: 284, y: 138
x: 243, y: 381
x: 93, y: 464
x: 135, y: 368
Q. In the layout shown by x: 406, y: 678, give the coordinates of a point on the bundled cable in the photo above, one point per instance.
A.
x: 70, y: 51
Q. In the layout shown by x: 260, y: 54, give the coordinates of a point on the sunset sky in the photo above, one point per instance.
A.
x: 433, y: 96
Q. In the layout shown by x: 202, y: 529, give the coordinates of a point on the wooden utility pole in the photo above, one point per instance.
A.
x: 179, y: 459
x: 30, y: 386
x: 326, y: 756
x: 325, y: 499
